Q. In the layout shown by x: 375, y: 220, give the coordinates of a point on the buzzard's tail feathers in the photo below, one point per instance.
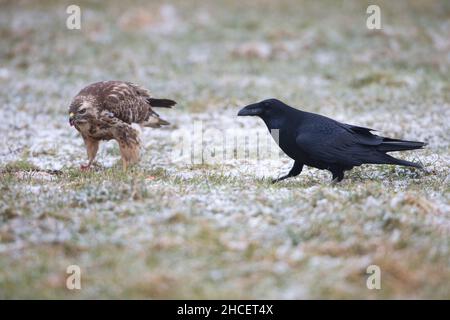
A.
x: 163, y: 122
x: 155, y: 122
x: 161, y: 103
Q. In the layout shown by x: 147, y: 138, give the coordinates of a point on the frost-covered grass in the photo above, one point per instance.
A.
x: 168, y: 229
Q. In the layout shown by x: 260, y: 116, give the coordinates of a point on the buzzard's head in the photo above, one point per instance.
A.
x: 80, y: 111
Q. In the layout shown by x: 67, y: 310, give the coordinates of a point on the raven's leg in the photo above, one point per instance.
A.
x: 295, y: 171
x: 338, y: 175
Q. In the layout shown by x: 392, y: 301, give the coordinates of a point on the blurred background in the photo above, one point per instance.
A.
x: 222, y: 231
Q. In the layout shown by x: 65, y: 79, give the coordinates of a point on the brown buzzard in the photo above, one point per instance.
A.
x: 105, y: 110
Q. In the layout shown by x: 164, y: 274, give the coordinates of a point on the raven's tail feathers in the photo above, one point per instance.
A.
x: 389, y: 145
x: 161, y: 103
x: 391, y: 160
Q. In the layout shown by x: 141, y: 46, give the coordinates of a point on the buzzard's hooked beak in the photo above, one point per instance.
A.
x: 71, y: 119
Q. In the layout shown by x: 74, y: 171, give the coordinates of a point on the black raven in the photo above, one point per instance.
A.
x: 320, y: 142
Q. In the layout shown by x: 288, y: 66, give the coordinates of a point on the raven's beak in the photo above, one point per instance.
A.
x: 250, y: 110
x: 71, y: 118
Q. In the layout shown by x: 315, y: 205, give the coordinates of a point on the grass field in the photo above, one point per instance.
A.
x: 174, y: 229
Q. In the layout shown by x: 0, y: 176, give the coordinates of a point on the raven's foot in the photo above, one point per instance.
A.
x: 335, y: 181
x: 337, y: 177
x: 280, y: 179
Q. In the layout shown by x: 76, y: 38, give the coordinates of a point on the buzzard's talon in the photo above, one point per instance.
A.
x: 85, y: 167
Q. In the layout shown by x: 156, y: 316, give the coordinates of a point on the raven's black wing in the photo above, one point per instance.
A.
x: 383, y: 144
x: 336, y: 143
x: 339, y: 149
x: 363, y: 135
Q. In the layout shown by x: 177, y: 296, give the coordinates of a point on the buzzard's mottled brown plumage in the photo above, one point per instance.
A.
x: 105, y: 110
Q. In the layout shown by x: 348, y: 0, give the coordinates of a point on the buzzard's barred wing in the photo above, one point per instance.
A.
x: 127, y: 102
x: 138, y: 90
x: 153, y: 102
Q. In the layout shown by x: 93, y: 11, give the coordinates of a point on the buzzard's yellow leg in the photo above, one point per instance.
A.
x: 91, y: 149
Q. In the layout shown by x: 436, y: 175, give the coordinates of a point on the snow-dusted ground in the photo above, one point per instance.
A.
x: 217, y: 228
